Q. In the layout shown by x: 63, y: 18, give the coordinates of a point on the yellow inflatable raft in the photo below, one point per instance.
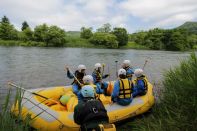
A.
x: 51, y: 116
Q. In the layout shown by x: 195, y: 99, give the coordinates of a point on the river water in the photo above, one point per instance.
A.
x: 34, y: 67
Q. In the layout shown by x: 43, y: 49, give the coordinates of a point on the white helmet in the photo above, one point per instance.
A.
x: 121, y: 72
x: 126, y: 63
x: 97, y: 65
x: 81, y: 67
x: 88, y: 79
x: 138, y: 72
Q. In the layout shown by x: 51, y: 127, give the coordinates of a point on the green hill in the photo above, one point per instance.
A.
x: 190, y: 26
x: 73, y: 33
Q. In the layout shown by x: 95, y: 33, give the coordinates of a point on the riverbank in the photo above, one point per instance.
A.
x: 133, y: 45
x: 72, y: 42
x: 178, y: 102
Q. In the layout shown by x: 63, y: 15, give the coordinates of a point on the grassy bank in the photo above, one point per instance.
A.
x: 133, y: 45
x: 177, y: 110
x: 71, y: 42
x: 80, y: 42
x: 8, y: 122
x: 20, y: 43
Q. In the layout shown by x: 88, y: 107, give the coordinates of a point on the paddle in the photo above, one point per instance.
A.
x: 103, y: 67
x: 34, y: 93
x: 116, y: 69
x: 109, y: 89
x: 73, y: 75
x: 146, y: 61
x: 101, y: 75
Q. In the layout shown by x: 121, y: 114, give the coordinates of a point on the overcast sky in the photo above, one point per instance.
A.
x: 134, y: 15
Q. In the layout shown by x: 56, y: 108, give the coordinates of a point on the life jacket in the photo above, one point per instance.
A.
x: 98, y: 76
x: 79, y: 76
x: 125, y: 88
x: 93, y: 109
x: 144, y: 79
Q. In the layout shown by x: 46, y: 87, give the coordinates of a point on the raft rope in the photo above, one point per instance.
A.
x: 14, y: 85
x: 36, y: 104
x: 44, y: 110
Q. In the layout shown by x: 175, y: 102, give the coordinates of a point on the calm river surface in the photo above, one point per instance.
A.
x: 34, y: 67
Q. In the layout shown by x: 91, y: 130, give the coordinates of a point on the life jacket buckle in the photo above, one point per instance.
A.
x: 95, y: 110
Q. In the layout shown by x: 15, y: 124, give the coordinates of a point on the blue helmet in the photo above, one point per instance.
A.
x: 87, y: 91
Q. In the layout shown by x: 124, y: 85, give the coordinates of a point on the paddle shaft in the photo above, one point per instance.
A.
x: 144, y: 64
x: 116, y: 68
x: 14, y: 85
x: 108, y: 72
x: 75, y: 77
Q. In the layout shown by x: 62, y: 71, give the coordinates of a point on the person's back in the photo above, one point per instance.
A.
x: 98, y: 79
x: 122, y: 89
x: 89, y: 112
x: 129, y: 70
x: 141, y: 83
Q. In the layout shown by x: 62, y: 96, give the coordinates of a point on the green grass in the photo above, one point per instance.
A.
x: 20, y: 43
x: 8, y: 122
x: 133, y: 45
x: 177, y: 110
x: 77, y: 42
x: 195, y: 47
x: 80, y: 42
x: 71, y: 42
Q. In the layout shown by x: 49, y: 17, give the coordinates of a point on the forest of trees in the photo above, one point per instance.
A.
x: 42, y: 35
x: 106, y: 36
x: 178, y: 39
x: 160, y: 39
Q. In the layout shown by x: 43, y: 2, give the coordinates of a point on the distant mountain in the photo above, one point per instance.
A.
x: 190, y: 26
x: 73, y: 33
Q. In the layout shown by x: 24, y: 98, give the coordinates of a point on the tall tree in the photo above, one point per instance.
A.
x: 26, y: 34
x: 40, y: 32
x: 192, y: 40
x: 5, y: 20
x: 106, y: 39
x: 106, y: 28
x: 55, y: 36
x: 138, y: 37
x: 24, y: 25
x: 153, y: 39
x: 122, y: 36
x: 7, y: 31
x: 178, y: 41
x: 86, y: 32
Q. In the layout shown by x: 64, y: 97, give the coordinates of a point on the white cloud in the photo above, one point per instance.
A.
x: 162, y: 12
x: 72, y: 15
x: 178, y: 18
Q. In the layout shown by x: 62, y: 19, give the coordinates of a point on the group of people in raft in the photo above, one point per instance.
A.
x: 89, y: 112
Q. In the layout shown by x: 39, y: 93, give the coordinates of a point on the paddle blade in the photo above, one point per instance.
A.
x: 110, y: 88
